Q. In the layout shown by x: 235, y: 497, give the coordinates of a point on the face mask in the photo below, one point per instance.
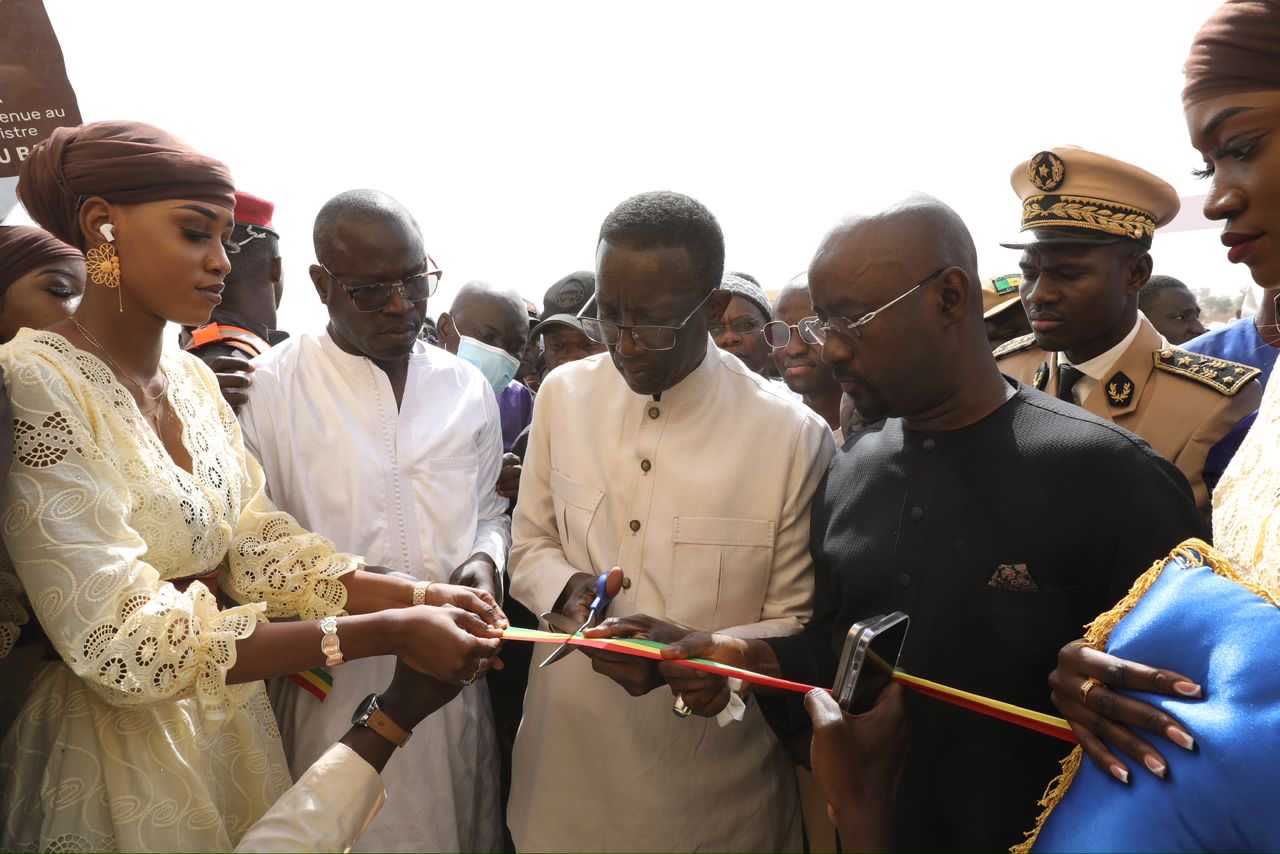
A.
x: 498, y: 366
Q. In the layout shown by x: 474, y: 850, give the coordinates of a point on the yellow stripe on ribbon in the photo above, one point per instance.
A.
x: 644, y: 648
x: 316, y: 681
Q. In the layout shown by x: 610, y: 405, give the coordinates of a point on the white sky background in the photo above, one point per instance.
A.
x: 511, y: 129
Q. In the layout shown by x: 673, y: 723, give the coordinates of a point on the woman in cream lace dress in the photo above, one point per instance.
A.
x: 98, y: 516
x: 129, y: 502
x: 1232, y: 106
x: 41, y: 282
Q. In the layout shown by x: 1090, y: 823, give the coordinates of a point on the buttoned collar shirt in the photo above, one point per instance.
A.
x: 702, y: 496
x: 1098, y: 369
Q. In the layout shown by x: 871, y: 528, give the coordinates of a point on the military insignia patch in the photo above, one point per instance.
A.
x: 1220, y: 375
x: 1005, y: 285
x: 1040, y: 378
x: 1046, y: 171
x: 1119, y: 390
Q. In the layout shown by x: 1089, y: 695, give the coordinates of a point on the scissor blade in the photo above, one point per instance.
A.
x: 561, y: 651
x: 565, y: 649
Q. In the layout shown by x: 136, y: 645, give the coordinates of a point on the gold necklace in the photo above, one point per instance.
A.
x: 119, y: 370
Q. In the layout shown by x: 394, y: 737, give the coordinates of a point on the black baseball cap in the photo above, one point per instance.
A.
x: 573, y: 295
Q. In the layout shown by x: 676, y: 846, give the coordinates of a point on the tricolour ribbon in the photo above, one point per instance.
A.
x: 316, y: 681
x: 1029, y: 718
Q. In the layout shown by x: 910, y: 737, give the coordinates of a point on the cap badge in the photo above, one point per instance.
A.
x: 1005, y: 285
x: 1046, y: 171
x: 1119, y: 390
x: 572, y: 294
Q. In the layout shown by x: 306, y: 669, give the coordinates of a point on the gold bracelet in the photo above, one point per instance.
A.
x: 420, y: 592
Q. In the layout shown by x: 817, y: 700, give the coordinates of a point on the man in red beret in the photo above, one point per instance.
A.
x: 244, y: 325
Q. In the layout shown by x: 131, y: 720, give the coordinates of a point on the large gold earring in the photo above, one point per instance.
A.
x: 103, y: 265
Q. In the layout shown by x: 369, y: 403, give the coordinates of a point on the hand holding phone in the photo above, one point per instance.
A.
x: 871, y: 651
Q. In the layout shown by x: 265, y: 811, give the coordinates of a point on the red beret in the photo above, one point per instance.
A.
x: 252, y: 210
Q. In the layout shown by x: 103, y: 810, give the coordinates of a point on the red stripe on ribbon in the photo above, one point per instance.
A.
x: 652, y: 650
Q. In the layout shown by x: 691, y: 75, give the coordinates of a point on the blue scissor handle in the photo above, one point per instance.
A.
x: 602, y: 600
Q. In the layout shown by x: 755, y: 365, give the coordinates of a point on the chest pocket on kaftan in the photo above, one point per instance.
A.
x: 450, y: 489
x: 720, y: 570
x: 575, y: 506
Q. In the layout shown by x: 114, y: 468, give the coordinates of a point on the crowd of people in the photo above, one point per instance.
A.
x: 238, y: 576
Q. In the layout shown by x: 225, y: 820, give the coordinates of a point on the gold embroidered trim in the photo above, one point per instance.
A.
x: 1119, y: 391
x: 1084, y: 212
x: 1046, y: 171
x: 1221, y: 375
x: 1015, y: 345
x: 1193, y: 552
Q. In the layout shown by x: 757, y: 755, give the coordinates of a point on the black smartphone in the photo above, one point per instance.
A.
x: 871, y: 651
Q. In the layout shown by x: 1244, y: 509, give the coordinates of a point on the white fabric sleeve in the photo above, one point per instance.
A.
x: 273, y: 559
x: 539, y: 569
x: 493, y: 525
x: 789, y: 598
x: 69, y: 530
x: 326, y: 810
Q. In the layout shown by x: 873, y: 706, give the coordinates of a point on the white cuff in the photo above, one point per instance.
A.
x: 736, y: 708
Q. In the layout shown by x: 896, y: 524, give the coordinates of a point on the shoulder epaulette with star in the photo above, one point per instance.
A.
x: 1225, y: 377
x: 1015, y: 345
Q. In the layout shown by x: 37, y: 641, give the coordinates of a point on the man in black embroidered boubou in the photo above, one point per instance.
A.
x: 923, y: 514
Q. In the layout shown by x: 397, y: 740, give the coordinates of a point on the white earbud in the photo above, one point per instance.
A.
x: 106, y: 232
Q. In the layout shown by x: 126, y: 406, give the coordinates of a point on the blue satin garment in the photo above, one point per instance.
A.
x: 1222, y: 796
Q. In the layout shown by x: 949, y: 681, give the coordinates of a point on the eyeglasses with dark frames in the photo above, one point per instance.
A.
x: 374, y: 296
x: 815, y: 331
x: 743, y: 326
x: 646, y: 336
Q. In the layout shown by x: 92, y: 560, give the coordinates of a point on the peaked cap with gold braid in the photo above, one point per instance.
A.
x: 1072, y: 195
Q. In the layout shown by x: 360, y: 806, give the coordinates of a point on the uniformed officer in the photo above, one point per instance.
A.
x: 1002, y: 312
x: 1088, y: 221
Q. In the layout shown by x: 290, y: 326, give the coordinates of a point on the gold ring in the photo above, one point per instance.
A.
x: 679, y: 709
x: 1085, y: 687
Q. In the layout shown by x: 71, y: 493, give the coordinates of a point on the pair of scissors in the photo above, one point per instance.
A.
x: 598, y: 606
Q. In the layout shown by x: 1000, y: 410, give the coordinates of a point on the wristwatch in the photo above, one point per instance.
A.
x: 368, y: 714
